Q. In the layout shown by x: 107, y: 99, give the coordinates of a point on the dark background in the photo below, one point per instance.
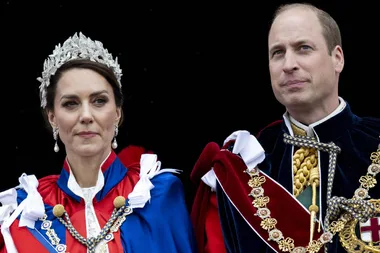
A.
x: 194, y: 72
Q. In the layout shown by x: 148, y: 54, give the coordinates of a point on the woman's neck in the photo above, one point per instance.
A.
x: 86, y: 169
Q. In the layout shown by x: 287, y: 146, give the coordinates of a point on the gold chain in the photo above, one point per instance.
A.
x: 269, y: 223
x: 347, y: 235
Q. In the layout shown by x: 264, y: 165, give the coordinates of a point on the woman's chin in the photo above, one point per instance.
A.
x: 89, y: 150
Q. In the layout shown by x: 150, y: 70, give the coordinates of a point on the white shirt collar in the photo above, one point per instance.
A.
x: 73, y: 185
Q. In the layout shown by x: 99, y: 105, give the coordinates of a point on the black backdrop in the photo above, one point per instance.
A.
x: 194, y: 71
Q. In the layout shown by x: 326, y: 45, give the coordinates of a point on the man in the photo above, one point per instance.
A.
x: 308, y: 182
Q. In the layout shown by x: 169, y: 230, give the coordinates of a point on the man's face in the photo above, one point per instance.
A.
x: 302, y: 72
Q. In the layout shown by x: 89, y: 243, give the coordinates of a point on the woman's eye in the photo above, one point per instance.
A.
x: 100, y: 101
x: 69, y: 104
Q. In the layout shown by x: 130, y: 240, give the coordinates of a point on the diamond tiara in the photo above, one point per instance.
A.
x: 76, y: 47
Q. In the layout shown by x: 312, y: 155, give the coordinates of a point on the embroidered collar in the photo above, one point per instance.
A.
x: 103, y: 166
x: 331, y: 128
x: 310, y: 128
x: 73, y: 185
x: 111, y: 172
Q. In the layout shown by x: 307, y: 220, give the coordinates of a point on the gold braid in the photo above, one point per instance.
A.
x: 306, y: 172
x: 304, y: 160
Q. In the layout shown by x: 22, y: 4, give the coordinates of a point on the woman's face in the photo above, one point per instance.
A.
x: 85, y: 113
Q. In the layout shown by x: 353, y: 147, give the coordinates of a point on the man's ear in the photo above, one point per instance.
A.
x: 338, y: 58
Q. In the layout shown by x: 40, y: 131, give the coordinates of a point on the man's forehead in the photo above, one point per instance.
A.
x: 295, y: 14
x: 294, y: 21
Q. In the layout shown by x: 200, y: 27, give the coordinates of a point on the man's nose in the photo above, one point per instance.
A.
x: 290, y: 62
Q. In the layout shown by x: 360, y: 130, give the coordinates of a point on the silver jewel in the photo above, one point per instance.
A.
x: 373, y: 169
x: 76, y: 47
x: 61, y: 248
x: 326, y: 237
x: 114, y: 142
x: 46, y: 224
x: 253, y: 172
x: 109, y: 237
x: 275, y: 235
x: 361, y: 193
x: 262, y: 212
x: 55, y: 136
x: 257, y: 192
x: 299, y: 250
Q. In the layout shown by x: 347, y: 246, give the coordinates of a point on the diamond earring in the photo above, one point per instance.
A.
x: 114, y: 143
x: 55, y: 136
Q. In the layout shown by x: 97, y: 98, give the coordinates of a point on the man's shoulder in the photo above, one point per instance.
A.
x: 270, y: 132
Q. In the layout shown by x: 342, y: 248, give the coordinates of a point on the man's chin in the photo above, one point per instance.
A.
x: 296, y: 100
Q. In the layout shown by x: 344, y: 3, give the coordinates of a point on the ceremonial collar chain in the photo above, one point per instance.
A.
x: 358, y: 207
x: 117, y: 218
x: 76, y: 47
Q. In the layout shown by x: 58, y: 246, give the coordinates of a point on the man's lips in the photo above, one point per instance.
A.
x: 294, y: 84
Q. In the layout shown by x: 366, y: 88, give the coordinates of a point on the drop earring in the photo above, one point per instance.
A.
x: 114, y: 142
x: 55, y: 136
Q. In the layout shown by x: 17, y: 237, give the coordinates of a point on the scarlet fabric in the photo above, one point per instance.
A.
x: 213, y: 229
x: 229, y: 169
x: 162, y: 225
x: 204, y: 213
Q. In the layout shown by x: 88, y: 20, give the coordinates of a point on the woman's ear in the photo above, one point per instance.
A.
x: 118, y: 116
x: 51, y: 118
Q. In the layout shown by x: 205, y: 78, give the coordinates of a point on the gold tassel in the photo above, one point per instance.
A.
x: 306, y: 172
x: 313, y: 208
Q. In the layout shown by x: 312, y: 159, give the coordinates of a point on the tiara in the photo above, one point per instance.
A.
x: 76, y: 47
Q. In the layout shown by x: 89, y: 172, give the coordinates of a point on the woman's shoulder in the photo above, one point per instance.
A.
x: 166, y: 181
x: 30, y: 183
x: 46, y: 183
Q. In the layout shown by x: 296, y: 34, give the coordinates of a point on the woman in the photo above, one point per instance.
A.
x: 101, y: 202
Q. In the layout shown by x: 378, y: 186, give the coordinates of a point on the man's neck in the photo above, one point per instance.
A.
x: 308, y: 116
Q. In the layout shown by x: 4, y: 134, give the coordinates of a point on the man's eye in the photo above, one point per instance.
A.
x: 305, y: 47
x: 277, y: 52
